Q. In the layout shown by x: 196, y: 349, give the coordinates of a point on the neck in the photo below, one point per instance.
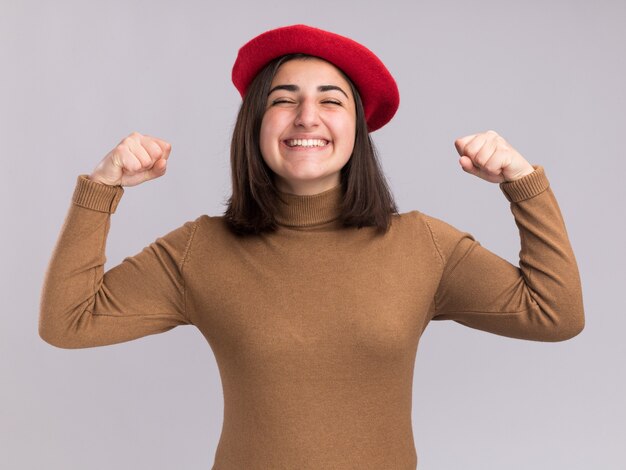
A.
x: 309, y: 210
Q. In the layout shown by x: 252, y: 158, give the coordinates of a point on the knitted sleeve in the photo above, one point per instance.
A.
x: 540, y: 300
x: 81, y: 306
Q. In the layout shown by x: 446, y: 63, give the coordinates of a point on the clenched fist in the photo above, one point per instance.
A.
x: 490, y: 157
x: 137, y: 158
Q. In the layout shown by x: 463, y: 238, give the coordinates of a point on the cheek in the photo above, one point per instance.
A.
x: 269, y: 132
x: 348, y: 130
x: 265, y: 135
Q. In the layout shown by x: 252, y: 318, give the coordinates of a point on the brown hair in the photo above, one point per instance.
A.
x: 367, y: 199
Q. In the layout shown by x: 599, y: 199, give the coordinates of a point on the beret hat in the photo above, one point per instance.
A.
x: 376, y: 86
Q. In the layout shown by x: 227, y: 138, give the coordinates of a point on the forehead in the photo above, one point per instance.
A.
x: 313, y: 68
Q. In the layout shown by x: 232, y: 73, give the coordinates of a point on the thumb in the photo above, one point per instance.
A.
x: 157, y: 170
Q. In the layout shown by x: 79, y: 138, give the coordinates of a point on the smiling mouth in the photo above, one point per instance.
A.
x: 306, y: 143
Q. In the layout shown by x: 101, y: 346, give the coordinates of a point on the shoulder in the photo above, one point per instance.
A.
x: 209, y: 225
x: 214, y: 228
x: 435, y: 225
x: 415, y: 225
x: 416, y: 219
x: 443, y: 236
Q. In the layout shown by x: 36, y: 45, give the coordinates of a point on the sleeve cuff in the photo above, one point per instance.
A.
x: 527, y: 186
x: 96, y: 196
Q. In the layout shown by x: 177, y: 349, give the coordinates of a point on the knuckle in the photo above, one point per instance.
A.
x: 491, y: 167
x: 120, y: 149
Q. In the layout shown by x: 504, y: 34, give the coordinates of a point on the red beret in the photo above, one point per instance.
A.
x: 377, y: 88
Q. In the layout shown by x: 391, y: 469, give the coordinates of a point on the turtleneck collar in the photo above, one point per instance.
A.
x: 309, y: 211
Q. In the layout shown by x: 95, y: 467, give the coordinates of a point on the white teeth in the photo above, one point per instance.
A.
x: 306, y: 142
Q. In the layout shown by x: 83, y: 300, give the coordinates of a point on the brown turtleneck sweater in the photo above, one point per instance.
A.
x: 315, y: 327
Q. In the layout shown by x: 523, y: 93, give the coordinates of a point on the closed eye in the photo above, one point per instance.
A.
x: 325, y: 101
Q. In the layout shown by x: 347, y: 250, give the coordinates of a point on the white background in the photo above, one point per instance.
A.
x: 78, y: 76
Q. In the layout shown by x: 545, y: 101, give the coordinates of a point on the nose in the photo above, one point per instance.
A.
x: 307, y: 115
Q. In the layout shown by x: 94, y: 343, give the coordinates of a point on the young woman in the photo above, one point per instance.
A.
x: 311, y: 289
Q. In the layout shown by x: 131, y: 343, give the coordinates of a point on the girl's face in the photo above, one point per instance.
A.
x: 309, y: 126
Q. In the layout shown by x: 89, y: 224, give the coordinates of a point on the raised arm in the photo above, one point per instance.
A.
x: 82, y: 306
x: 541, y: 299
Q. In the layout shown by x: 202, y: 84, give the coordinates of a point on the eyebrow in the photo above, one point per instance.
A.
x: 297, y: 88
